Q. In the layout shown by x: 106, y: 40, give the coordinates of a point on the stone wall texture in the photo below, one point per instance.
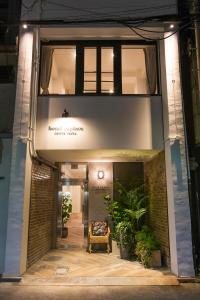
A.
x: 42, y: 220
x: 155, y: 182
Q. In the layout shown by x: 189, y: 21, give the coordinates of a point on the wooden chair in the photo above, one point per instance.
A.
x: 98, y: 233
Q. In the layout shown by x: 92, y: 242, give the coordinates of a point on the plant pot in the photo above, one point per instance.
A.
x: 115, y: 248
x: 155, y: 261
x: 124, y: 252
x: 64, y: 232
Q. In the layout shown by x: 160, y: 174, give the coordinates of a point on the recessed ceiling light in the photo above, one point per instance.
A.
x: 25, y: 26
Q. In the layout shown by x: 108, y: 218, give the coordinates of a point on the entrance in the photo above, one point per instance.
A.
x: 85, y: 185
x: 72, y: 209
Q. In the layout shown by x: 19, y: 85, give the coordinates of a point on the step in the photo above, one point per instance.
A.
x: 100, y: 281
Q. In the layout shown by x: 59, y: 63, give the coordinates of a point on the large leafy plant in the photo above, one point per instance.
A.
x: 127, y: 210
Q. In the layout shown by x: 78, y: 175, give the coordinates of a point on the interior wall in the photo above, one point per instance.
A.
x: 155, y: 183
x: 42, y: 220
x: 76, y: 195
x: 98, y: 188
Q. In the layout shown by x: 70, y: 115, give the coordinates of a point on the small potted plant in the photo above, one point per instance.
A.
x: 66, y: 211
x: 124, y: 234
x: 148, y: 248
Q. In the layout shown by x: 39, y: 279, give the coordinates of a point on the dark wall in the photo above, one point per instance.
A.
x: 155, y: 184
x: 42, y: 221
x: 129, y: 174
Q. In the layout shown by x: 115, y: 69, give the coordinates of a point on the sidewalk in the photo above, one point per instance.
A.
x: 18, y: 292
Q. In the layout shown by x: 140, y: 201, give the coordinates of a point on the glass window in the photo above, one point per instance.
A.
x: 90, y: 70
x: 139, y: 71
x: 133, y: 70
x: 107, y: 74
x: 58, y: 70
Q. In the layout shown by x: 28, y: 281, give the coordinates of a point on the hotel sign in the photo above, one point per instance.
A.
x: 65, y: 131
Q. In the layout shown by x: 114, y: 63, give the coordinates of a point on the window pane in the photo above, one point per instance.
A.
x: 90, y: 70
x: 107, y: 77
x: 139, y: 72
x: 58, y: 70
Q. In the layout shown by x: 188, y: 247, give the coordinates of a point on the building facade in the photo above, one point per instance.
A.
x: 98, y: 85
x: 9, y: 18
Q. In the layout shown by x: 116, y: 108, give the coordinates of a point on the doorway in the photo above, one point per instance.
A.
x: 72, y: 226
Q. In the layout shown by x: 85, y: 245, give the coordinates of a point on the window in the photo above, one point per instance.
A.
x: 113, y: 68
x: 133, y: 71
x: 57, y: 74
x: 90, y: 70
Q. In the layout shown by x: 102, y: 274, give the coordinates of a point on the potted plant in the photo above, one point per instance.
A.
x: 148, y: 248
x: 66, y: 211
x: 124, y: 233
x: 126, y: 210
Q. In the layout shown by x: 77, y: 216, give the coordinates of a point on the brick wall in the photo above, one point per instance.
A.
x: 42, y: 221
x: 155, y: 181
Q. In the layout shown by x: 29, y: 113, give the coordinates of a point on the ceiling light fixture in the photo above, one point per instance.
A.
x: 171, y: 26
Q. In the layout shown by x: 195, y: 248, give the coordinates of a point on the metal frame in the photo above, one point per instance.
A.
x: 117, y: 67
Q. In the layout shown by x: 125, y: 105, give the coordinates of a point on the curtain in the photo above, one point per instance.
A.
x: 46, y: 60
x: 151, y: 69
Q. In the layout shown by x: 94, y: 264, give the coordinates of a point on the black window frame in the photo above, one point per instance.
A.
x: 117, y: 65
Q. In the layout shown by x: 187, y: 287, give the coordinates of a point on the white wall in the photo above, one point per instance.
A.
x: 106, y: 122
x: 76, y: 193
x: 95, y: 9
x: 17, y: 226
x: 176, y: 162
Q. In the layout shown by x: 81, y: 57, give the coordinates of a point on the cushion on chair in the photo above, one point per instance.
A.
x: 99, y: 228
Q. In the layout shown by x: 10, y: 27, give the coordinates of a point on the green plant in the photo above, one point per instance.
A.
x: 127, y: 210
x: 146, y: 242
x: 125, y: 233
x: 114, y: 210
x: 66, y: 206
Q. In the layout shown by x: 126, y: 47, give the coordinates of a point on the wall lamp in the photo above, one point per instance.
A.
x: 65, y: 114
x: 100, y: 174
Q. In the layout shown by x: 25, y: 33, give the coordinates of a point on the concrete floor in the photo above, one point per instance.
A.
x: 17, y: 292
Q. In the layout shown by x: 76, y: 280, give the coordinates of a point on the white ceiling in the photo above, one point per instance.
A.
x: 95, y: 33
x: 104, y: 155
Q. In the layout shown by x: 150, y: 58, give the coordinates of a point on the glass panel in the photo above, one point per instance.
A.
x: 107, y: 76
x: 73, y: 171
x: 134, y: 79
x: 60, y: 66
x: 90, y: 70
x: 73, y: 192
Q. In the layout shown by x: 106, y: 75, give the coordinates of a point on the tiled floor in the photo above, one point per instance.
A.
x: 75, y: 266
